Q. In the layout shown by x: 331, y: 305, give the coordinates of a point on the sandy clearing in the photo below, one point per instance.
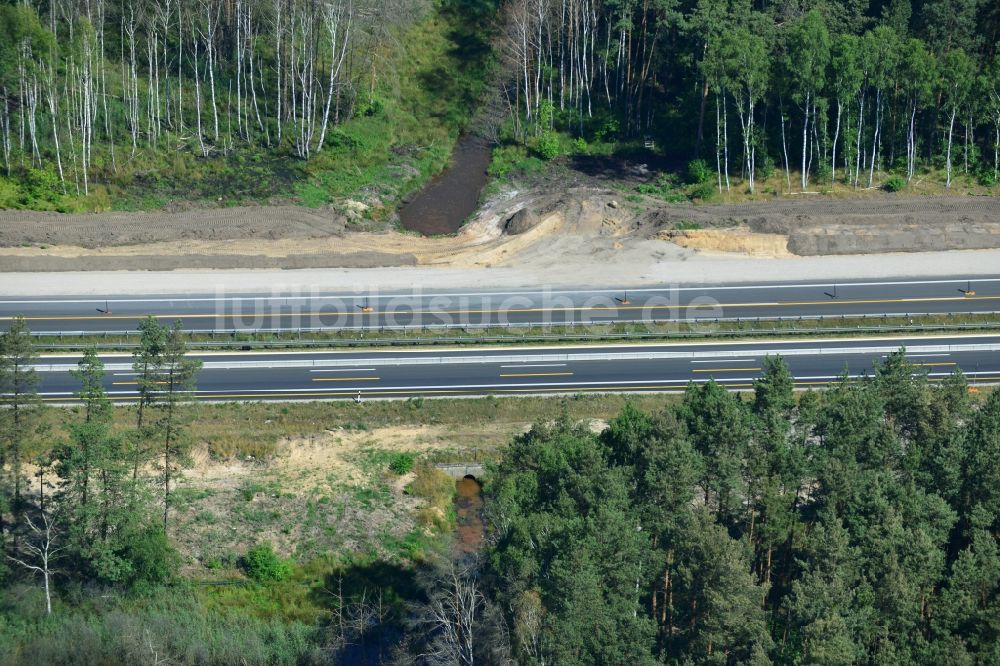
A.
x: 315, y: 458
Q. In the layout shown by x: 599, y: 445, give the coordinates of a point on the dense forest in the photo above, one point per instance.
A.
x: 857, y: 525
x: 101, y: 93
x: 837, y: 89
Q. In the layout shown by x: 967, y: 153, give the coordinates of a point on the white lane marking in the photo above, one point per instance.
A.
x: 729, y: 360
x: 345, y: 370
x: 484, y: 294
x: 922, y: 355
x: 625, y: 382
x: 535, y: 365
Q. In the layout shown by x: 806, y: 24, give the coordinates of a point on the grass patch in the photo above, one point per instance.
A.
x: 396, y: 462
x: 437, y: 489
x: 251, y: 488
x: 687, y: 226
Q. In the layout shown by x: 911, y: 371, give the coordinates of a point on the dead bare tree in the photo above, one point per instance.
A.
x: 38, y: 551
x: 358, y: 624
x: 451, y: 617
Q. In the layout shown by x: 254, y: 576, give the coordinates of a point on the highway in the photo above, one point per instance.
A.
x: 325, y: 310
x: 395, y: 373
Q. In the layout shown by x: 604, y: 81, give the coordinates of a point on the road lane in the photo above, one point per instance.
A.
x: 318, y: 311
x: 472, y: 372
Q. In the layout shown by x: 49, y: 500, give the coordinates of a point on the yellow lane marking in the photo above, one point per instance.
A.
x: 535, y: 374
x: 935, y: 364
x: 344, y: 379
x: 725, y: 369
x: 618, y: 308
x: 331, y: 394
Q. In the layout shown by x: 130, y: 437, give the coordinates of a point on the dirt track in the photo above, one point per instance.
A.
x: 817, y: 226
x: 19, y: 228
x: 583, y: 224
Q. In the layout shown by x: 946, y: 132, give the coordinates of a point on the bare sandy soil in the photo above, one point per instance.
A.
x: 319, y: 493
x: 580, y: 236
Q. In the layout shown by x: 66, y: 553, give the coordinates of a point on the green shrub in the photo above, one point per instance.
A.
x: 152, y: 557
x: 401, y: 463
x: 824, y: 173
x: 368, y: 105
x: 766, y: 166
x: 663, y: 188
x: 547, y: 145
x: 508, y: 160
x: 262, y: 564
x: 608, y: 130
x: 894, y: 184
x: 703, y: 192
x: 10, y: 193
x: 698, y: 172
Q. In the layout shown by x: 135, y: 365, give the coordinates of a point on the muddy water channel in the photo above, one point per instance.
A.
x: 444, y: 204
x: 469, y: 511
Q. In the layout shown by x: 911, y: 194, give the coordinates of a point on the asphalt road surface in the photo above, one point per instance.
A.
x: 316, y: 311
x: 394, y: 373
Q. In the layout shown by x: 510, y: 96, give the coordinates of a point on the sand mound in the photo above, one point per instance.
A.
x: 730, y: 240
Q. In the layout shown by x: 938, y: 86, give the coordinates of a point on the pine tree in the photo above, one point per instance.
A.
x: 19, y: 408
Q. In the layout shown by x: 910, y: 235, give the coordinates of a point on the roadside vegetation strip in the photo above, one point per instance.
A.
x: 556, y: 334
x: 241, y: 429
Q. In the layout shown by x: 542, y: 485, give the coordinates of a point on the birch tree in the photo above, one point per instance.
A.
x: 806, y: 60
x: 991, y: 84
x: 883, y: 50
x: 337, y: 17
x: 748, y: 63
x: 846, y: 77
x: 918, y: 74
x: 958, y: 75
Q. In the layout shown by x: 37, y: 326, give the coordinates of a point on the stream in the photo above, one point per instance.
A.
x: 469, y: 512
x: 445, y: 202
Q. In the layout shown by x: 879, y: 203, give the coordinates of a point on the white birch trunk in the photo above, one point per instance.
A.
x: 833, y: 151
x: 951, y: 129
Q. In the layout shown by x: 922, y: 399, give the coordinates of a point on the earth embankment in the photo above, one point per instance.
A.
x: 586, y: 225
